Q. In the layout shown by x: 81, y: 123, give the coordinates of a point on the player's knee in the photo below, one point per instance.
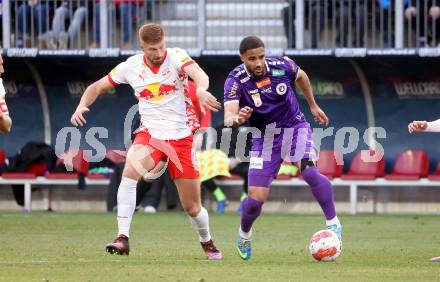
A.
x: 192, y: 209
x: 306, y: 163
x: 313, y: 177
x: 130, y: 172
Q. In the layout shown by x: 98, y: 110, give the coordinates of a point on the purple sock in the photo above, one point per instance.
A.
x: 322, y: 190
x: 251, y: 209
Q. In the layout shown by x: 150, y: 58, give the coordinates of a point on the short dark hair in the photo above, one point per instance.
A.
x: 250, y: 42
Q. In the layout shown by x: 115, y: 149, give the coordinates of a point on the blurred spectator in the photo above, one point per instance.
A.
x: 317, y: 8
x: 127, y: 12
x: 58, y: 37
x: 351, y: 13
x: 424, y: 18
x: 385, y: 22
x: 32, y: 19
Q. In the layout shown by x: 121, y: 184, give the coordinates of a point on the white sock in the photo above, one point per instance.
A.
x: 126, y: 204
x: 245, y: 235
x: 333, y: 221
x: 201, y: 224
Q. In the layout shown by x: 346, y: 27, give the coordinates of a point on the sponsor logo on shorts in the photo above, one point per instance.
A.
x: 256, y: 163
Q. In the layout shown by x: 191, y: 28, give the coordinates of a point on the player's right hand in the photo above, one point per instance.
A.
x: 77, y: 118
x: 208, y: 100
x: 417, y: 126
x: 244, y: 114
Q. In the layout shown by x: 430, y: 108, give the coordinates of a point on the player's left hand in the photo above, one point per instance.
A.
x: 319, y: 116
x: 206, y: 99
x: 417, y: 126
x: 77, y: 118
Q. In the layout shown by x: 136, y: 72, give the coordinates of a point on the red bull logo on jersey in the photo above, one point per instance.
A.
x: 157, y: 91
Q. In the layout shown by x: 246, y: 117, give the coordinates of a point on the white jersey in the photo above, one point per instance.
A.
x: 433, y: 126
x: 3, y: 106
x: 160, y: 92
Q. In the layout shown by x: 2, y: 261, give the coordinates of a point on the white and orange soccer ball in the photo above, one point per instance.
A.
x: 325, y: 245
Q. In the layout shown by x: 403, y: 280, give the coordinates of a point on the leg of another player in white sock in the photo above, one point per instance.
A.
x: 189, y: 194
x: 126, y: 204
x: 201, y: 225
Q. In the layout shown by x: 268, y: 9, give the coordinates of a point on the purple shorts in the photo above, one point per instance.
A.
x: 291, y: 145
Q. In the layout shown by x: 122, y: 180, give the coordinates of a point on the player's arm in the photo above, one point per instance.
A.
x: 201, y: 81
x: 234, y: 116
x: 5, y: 122
x: 303, y: 83
x: 89, y: 97
x: 424, y: 126
x: 5, y: 119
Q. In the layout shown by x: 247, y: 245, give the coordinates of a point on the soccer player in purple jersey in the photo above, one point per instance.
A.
x: 259, y: 90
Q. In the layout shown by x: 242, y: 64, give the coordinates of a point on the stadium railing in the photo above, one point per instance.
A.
x: 361, y: 174
x: 220, y: 24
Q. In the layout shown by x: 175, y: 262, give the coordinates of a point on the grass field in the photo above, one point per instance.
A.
x: 61, y: 247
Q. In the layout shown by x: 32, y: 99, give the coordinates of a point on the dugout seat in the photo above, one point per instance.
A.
x: 32, y: 171
x: 410, y: 165
x: 330, y: 163
x: 79, y: 163
x: 361, y: 169
x: 2, y: 158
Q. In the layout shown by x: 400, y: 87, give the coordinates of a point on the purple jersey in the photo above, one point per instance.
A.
x: 271, y: 97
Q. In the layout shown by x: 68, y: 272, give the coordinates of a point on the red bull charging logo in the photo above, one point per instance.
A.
x: 157, y: 91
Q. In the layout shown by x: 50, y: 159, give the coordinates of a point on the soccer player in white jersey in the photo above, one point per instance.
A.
x: 425, y: 126
x: 159, y: 78
x: 5, y: 119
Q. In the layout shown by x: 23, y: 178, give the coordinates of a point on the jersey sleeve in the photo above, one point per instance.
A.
x: 292, y: 68
x: 232, y: 90
x: 2, y: 90
x: 3, y: 106
x: 118, y: 75
x: 433, y: 126
x: 180, y: 59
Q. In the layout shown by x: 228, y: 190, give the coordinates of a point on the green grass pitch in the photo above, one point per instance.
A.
x: 70, y: 247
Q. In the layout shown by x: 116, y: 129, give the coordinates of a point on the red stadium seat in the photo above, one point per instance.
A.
x: 2, y: 158
x: 410, y: 165
x: 79, y: 163
x: 39, y: 169
x: 62, y: 175
x: 364, y: 170
x: 18, y: 175
x: 330, y: 163
x: 116, y: 156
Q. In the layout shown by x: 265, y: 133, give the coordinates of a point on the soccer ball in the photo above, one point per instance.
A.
x: 325, y: 245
